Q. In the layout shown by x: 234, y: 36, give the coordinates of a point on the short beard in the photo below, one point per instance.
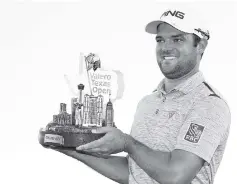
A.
x: 179, y: 71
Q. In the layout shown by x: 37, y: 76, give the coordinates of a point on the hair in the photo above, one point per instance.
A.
x: 197, y: 39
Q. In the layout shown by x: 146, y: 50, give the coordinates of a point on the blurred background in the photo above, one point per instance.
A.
x: 41, y: 40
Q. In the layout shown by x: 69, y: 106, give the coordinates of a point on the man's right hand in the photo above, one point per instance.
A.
x: 112, y: 167
x: 76, y: 154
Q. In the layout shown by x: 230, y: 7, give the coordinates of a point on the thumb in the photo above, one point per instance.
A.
x: 102, y: 130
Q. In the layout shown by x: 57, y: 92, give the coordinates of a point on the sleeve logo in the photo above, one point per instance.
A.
x: 194, y: 133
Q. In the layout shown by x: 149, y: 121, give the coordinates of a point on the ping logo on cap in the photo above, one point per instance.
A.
x: 175, y: 13
x: 194, y: 133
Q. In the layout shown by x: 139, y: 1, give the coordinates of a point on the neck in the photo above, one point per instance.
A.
x: 172, y: 83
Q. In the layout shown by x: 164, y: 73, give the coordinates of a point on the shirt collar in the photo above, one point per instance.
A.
x: 185, y: 87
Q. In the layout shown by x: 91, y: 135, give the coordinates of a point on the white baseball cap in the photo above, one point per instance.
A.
x: 183, y: 21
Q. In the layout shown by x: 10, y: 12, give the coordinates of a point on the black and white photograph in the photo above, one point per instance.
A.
x: 130, y: 92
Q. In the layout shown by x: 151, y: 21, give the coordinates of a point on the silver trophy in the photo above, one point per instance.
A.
x: 88, y: 111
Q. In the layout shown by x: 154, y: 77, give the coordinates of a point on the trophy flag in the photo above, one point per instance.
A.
x: 92, y: 61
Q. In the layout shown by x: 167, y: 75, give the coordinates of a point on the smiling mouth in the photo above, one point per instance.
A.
x: 169, y: 57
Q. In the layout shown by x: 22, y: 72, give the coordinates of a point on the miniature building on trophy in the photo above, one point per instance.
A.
x: 109, y: 115
x: 93, y: 110
x: 86, y: 114
x: 63, y: 118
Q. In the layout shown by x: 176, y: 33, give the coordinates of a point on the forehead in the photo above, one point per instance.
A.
x: 165, y: 29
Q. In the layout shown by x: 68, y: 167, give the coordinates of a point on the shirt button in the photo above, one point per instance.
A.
x: 163, y: 100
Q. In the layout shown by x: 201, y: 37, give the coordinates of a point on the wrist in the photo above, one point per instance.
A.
x: 128, y: 143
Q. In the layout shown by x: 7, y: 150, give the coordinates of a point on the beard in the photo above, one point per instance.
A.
x: 179, y: 70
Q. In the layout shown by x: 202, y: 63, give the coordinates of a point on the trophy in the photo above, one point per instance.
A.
x: 88, y: 111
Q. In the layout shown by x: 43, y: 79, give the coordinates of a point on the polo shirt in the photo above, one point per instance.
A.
x: 193, y: 117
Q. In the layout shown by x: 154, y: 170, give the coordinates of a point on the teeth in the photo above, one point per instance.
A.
x: 170, y: 57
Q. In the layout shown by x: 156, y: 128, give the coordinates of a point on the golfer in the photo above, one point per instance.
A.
x: 180, y: 130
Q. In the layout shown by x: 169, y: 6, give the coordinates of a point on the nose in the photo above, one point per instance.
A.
x: 168, y: 44
x: 167, y: 50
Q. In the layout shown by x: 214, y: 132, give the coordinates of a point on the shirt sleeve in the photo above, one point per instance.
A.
x: 204, y: 127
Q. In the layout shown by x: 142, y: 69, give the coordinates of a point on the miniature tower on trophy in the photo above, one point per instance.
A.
x: 109, y: 114
x: 79, y: 107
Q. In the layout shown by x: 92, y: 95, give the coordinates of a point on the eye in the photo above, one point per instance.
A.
x: 159, y: 40
x: 178, y: 40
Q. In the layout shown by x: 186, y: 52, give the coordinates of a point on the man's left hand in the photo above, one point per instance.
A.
x: 114, y: 141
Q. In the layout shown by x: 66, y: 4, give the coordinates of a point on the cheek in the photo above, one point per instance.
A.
x: 158, y: 54
x: 187, y: 51
x: 158, y: 49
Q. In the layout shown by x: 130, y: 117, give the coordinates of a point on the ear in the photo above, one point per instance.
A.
x: 202, y: 46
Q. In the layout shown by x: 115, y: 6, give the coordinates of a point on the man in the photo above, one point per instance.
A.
x: 179, y: 131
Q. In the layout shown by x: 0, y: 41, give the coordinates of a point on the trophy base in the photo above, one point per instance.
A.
x: 69, y: 139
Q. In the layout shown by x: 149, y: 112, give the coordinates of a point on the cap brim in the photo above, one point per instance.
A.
x: 152, y: 26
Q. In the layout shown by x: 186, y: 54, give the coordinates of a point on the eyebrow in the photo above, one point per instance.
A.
x: 173, y: 36
x: 178, y: 35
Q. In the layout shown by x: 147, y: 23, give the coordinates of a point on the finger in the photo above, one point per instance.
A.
x: 94, y: 144
x: 100, y: 150
x: 95, y: 154
x: 68, y: 152
x: 102, y: 130
x: 90, y: 145
x: 99, y: 155
x: 60, y: 149
x: 94, y: 150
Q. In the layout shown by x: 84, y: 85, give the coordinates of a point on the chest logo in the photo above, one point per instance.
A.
x: 194, y: 133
